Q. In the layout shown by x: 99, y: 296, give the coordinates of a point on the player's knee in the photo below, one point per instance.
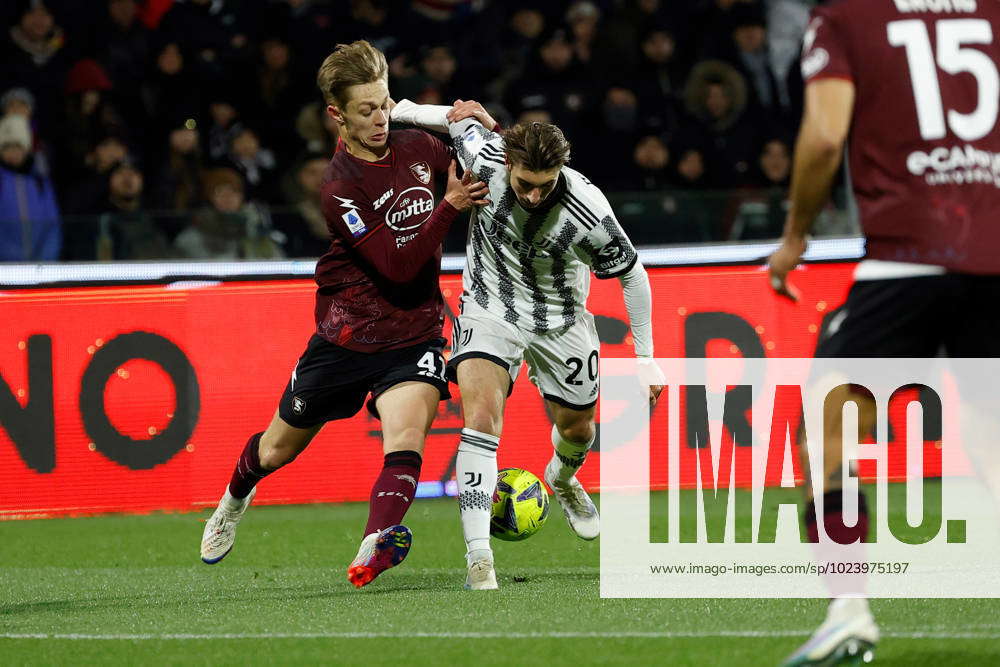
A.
x: 484, y: 420
x: 409, y: 439
x: 579, y: 430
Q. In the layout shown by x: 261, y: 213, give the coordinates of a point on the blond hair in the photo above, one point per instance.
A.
x: 349, y: 65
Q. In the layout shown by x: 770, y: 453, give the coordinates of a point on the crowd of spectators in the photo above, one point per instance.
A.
x: 193, y: 128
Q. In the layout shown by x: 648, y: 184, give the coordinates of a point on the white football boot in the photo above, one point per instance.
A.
x: 847, y: 637
x: 580, y: 511
x: 481, y: 575
x: 220, y: 530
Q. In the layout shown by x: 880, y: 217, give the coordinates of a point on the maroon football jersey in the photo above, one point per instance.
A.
x: 924, y: 153
x: 378, y: 282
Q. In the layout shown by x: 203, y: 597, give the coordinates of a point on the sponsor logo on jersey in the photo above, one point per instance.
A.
x: 382, y: 198
x: 937, y: 6
x: 298, y: 405
x: 488, y: 224
x: 354, y: 223
x: 529, y: 250
x: 610, y: 251
x: 403, y: 240
x: 612, y: 255
x: 421, y: 172
x: 410, y: 210
x: 955, y: 165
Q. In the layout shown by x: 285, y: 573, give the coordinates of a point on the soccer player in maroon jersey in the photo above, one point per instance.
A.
x: 379, y: 310
x: 911, y: 87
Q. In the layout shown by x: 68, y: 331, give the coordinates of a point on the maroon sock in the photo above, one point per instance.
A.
x: 833, y: 519
x: 248, y: 469
x: 847, y: 543
x: 393, y: 491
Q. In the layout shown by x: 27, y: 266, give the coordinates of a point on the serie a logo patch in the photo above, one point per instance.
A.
x: 354, y: 223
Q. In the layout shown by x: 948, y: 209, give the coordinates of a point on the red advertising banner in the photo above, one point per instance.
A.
x: 140, y: 398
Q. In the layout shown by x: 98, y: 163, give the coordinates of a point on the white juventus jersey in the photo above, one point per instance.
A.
x: 532, y: 268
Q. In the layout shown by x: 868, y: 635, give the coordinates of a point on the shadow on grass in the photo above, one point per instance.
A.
x: 256, y: 596
x: 509, y: 580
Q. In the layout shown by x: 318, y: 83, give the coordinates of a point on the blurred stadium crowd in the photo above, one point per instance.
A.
x: 147, y: 129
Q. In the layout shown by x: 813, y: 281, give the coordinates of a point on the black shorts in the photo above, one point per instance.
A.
x: 331, y: 382
x: 955, y: 314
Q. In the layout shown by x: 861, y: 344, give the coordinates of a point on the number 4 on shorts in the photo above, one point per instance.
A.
x: 429, y: 364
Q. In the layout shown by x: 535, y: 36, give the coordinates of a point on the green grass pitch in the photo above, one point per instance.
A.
x: 131, y: 589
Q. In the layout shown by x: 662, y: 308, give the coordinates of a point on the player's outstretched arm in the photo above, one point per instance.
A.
x: 818, y: 151
x: 463, y: 122
x: 464, y: 109
x: 426, y: 116
x: 612, y: 255
x: 639, y: 306
x: 439, y: 118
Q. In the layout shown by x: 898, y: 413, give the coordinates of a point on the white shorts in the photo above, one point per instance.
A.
x: 562, y: 364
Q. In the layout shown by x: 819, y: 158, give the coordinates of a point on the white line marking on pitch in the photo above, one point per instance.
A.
x: 748, y: 634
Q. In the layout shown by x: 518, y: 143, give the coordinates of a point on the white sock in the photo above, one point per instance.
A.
x: 229, y: 503
x: 569, y: 455
x: 848, y: 605
x: 476, y: 472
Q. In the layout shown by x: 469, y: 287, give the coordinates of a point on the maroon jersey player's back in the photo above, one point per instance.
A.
x: 378, y: 282
x: 924, y: 153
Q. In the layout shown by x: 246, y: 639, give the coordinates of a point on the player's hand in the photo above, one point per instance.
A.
x: 464, y: 194
x: 463, y: 109
x: 650, y: 375
x: 654, y: 393
x: 780, y: 264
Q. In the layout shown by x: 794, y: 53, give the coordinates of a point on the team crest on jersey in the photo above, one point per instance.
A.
x: 421, y: 172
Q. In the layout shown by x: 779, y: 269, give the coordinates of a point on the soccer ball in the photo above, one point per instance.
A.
x: 520, y: 505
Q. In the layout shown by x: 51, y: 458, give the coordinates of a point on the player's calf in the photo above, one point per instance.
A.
x: 476, y: 471
x: 560, y: 475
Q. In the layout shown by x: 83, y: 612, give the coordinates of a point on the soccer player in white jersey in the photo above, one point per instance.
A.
x: 527, y: 276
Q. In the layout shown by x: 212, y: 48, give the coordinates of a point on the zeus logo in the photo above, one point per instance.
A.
x: 346, y: 203
x: 381, y: 200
